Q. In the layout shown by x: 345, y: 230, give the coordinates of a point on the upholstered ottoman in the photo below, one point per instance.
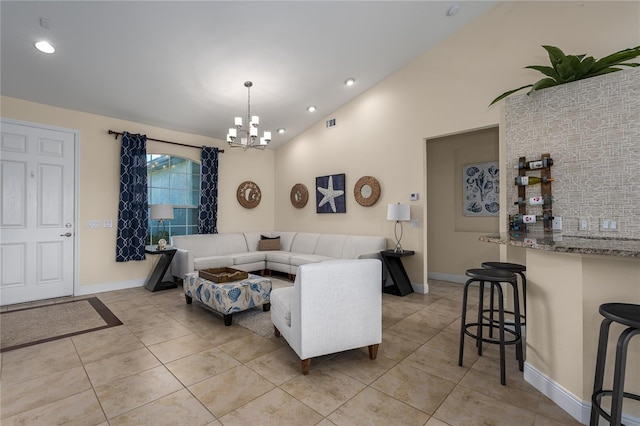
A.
x: 231, y: 297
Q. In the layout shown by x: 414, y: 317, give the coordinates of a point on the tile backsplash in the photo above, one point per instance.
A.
x: 591, y: 128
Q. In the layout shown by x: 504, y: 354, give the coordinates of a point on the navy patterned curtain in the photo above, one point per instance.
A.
x: 208, y: 208
x: 133, y: 207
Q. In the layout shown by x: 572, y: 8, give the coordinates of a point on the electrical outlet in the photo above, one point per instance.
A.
x: 556, y: 224
x: 413, y: 196
x: 614, y: 225
x: 108, y: 223
x: 415, y: 224
x: 604, y: 224
x: 584, y: 225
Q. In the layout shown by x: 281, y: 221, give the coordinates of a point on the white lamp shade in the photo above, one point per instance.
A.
x: 398, y: 212
x: 161, y: 211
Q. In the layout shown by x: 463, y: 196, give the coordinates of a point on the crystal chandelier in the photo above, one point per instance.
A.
x: 247, y: 138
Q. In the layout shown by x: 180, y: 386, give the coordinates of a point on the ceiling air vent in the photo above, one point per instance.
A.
x: 331, y: 123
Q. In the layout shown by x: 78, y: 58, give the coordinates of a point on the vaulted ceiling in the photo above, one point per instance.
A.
x: 182, y: 65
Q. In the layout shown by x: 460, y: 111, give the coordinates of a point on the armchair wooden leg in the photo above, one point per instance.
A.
x: 373, y: 351
x: 276, y: 331
x: 306, y: 365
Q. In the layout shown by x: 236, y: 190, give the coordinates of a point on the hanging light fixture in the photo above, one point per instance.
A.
x: 243, y: 138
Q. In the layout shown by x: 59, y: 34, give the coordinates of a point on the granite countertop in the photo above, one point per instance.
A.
x: 606, y: 246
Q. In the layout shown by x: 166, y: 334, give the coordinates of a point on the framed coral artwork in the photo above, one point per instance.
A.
x: 481, y: 189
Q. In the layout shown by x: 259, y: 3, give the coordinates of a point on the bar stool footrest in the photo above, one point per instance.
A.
x: 596, y: 397
x: 516, y: 337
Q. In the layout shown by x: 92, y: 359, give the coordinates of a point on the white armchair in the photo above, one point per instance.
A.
x: 333, y: 306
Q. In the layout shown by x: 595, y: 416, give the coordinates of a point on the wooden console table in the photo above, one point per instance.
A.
x: 393, y: 261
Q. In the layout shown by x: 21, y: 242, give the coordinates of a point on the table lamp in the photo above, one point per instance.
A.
x: 161, y: 212
x: 398, y: 212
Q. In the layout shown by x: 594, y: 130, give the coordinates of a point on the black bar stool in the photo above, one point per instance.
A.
x: 626, y: 314
x: 494, y: 277
x: 516, y: 268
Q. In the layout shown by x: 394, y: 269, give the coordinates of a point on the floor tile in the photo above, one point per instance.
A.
x: 179, y: 408
x: 118, y: 366
x: 372, y: 407
x: 133, y: 391
x: 464, y: 407
x: 230, y: 390
x: 439, y: 363
x: 40, y: 391
x: 278, y: 366
x: 173, y: 363
x: 179, y: 347
x: 275, y: 407
x: 250, y: 347
x: 28, y: 363
x: 79, y: 409
x: 357, y: 364
x: 161, y: 333
x: 202, y: 365
x: 415, y: 387
x: 323, y: 389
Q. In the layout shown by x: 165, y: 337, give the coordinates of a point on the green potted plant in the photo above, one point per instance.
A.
x: 568, y: 68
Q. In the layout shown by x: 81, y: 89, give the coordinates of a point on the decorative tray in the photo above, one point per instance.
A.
x: 223, y: 275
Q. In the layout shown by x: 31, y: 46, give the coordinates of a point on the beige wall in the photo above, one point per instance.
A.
x: 446, y: 91
x: 98, y: 182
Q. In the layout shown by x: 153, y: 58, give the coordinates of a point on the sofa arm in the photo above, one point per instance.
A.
x: 373, y: 255
x: 182, y: 263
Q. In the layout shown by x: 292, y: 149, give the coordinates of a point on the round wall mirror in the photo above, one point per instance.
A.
x: 249, y: 194
x: 367, y: 191
x: 299, y: 195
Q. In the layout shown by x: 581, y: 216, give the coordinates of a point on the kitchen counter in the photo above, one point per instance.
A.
x: 606, y: 246
x: 568, y: 278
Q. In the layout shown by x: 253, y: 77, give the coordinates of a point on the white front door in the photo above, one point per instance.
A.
x: 37, y: 217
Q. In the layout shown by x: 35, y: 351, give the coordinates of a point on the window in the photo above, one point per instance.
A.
x: 176, y: 181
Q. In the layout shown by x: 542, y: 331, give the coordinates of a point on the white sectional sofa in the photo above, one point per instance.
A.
x: 241, y: 250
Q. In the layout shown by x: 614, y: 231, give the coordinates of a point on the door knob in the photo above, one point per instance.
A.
x: 68, y: 234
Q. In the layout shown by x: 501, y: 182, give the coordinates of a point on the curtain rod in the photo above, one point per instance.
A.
x: 111, y: 132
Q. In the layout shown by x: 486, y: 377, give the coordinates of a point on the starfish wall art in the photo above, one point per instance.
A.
x: 330, y: 196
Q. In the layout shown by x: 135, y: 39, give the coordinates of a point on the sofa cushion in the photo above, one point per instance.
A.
x: 250, y: 257
x: 279, y: 256
x: 230, y: 243
x: 281, y: 303
x: 330, y: 245
x: 303, y: 259
x: 269, y: 244
x: 304, y: 242
x: 212, y: 262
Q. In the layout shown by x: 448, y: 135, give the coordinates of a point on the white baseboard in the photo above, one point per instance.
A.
x: 578, y: 409
x: 420, y: 288
x: 460, y: 279
x: 101, y: 288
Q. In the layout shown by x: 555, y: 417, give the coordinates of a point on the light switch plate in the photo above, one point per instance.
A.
x: 92, y: 223
x: 108, y: 223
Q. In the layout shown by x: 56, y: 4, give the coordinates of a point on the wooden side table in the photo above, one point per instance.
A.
x: 154, y: 282
x: 393, y: 261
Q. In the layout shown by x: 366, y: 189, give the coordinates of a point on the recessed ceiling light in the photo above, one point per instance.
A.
x: 281, y: 130
x: 311, y: 108
x: 453, y: 9
x: 45, y: 47
x: 350, y: 81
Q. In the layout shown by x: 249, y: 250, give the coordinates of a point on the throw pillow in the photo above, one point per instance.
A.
x: 269, y: 244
